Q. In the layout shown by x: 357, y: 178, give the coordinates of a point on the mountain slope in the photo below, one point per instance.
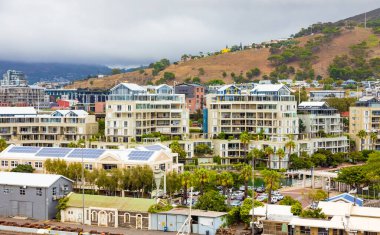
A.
x: 240, y: 62
x: 36, y: 72
x: 371, y: 15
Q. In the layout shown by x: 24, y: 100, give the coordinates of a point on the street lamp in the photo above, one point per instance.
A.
x: 82, y: 146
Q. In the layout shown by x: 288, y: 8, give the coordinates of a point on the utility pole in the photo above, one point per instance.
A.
x: 365, y: 20
x: 253, y: 195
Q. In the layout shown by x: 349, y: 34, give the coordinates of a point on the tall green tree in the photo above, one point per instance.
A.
x: 186, y: 182
x: 201, y: 178
x: 176, y: 148
x: 268, y: 151
x: 290, y: 144
x: 280, y: 154
x: 173, y: 183
x: 246, y: 176
x: 272, y: 181
x: 373, y: 137
x: 244, y: 139
x: 211, y: 201
x: 362, y: 134
x: 225, y: 180
x: 354, y: 176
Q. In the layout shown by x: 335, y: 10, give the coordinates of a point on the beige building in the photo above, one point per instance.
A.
x: 155, y: 156
x: 267, y: 109
x: 24, y: 126
x: 133, y: 111
x: 365, y: 115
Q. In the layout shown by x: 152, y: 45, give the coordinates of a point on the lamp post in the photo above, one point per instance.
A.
x: 82, y: 146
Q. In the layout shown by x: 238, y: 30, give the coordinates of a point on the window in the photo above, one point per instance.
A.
x: 127, y: 218
x: 125, y: 124
x: 129, y: 108
x: 88, y: 166
x: 94, y: 216
x: 111, y: 217
x: 38, y: 164
x: 54, y: 192
x: 305, y: 230
x: 4, y: 163
x: 14, y: 163
x: 39, y: 191
x: 7, y: 190
x: 22, y: 191
x: 28, y: 163
x: 119, y: 108
x: 129, y: 115
x: 323, y: 231
x: 370, y: 233
x: 87, y: 214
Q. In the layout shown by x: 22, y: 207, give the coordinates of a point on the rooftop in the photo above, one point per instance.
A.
x: 17, y: 111
x: 347, y: 198
x: 201, y: 213
x: 120, y: 203
x: 267, y: 87
x: 29, y: 179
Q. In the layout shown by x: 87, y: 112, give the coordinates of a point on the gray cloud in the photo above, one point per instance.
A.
x: 130, y: 32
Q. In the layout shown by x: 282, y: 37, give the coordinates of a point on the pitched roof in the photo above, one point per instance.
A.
x: 131, y: 86
x: 120, y: 203
x: 227, y: 86
x: 29, y: 179
x: 311, y: 104
x: 268, y: 87
x: 347, y: 198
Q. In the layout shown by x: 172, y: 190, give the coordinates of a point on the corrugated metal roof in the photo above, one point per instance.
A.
x: 28, y: 179
x: 120, y: 203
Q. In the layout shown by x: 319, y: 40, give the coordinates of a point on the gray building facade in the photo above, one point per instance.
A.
x: 32, y: 195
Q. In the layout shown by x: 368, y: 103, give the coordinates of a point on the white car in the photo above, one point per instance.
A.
x: 274, y: 200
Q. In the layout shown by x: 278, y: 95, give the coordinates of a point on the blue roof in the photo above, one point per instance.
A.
x: 346, y: 197
x: 154, y: 147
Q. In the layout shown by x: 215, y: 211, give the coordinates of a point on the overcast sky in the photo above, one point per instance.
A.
x: 136, y: 32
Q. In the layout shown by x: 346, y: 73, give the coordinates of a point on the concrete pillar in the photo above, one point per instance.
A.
x: 323, y: 183
x: 303, y: 180
x: 312, y: 181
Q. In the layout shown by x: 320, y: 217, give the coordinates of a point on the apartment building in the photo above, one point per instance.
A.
x: 14, y: 78
x: 319, y: 95
x: 365, y: 115
x: 319, y: 119
x: 267, y: 109
x: 155, y: 156
x: 194, y: 94
x: 23, y: 96
x: 24, y: 126
x: 132, y: 111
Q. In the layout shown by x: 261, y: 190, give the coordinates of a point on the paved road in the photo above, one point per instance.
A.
x: 87, y: 228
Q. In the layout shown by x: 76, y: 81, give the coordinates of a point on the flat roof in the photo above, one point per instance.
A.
x: 120, y: 203
x: 201, y: 213
x: 29, y: 179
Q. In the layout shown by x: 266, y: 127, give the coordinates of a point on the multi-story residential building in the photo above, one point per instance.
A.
x: 319, y: 95
x: 194, y: 94
x: 14, y: 78
x: 365, y: 115
x: 23, y: 96
x: 157, y: 156
x: 319, y: 119
x: 338, y: 144
x: 24, y: 126
x: 132, y: 112
x: 267, y: 109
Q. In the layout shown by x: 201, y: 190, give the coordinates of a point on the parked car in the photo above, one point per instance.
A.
x: 235, y: 203
x: 261, y: 198
x: 260, y: 190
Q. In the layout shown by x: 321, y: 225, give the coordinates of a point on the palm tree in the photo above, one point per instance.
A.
x: 245, y: 176
x: 186, y: 183
x: 3, y: 144
x: 290, y: 144
x: 268, y: 151
x: 361, y: 135
x: 281, y: 154
x: 225, y: 180
x: 373, y: 137
x: 244, y: 139
x: 201, y: 177
x: 272, y: 182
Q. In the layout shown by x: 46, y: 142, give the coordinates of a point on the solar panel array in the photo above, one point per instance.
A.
x: 53, y: 152
x: 24, y: 149
x: 86, y: 153
x: 140, y: 155
x: 153, y: 147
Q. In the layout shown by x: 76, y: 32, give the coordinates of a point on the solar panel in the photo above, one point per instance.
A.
x: 86, y: 153
x: 140, y: 155
x: 24, y: 149
x: 153, y: 147
x: 53, y: 152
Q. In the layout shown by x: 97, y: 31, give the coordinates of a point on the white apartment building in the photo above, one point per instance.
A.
x: 14, y: 78
x: 133, y: 110
x: 24, y: 126
x: 319, y: 95
x: 319, y: 119
x: 267, y: 109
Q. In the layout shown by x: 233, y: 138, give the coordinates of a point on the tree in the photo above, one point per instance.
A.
x: 246, y: 175
x: 268, y: 151
x: 115, y: 71
x: 317, y: 195
x: 288, y: 201
x: 176, y: 148
x: 272, y: 181
x: 362, y: 134
x: 173, y: 182
x: 296, y: 208
x: 373, y: 137
x: 354, y: 176
x: 290, y: 144
x: 3, y: 144
x: 281, y: 154
x: 23, y: 168
x: 313, y: 213
x: 211, y: 201
x: 225, y: 180
x: 246, y: 207
x: 244, y: 139
x: 201, y: 178
x: 202, y: 149
x: 186, y: 182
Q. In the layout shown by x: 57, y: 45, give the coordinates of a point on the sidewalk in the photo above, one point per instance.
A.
x: 87, y: 228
